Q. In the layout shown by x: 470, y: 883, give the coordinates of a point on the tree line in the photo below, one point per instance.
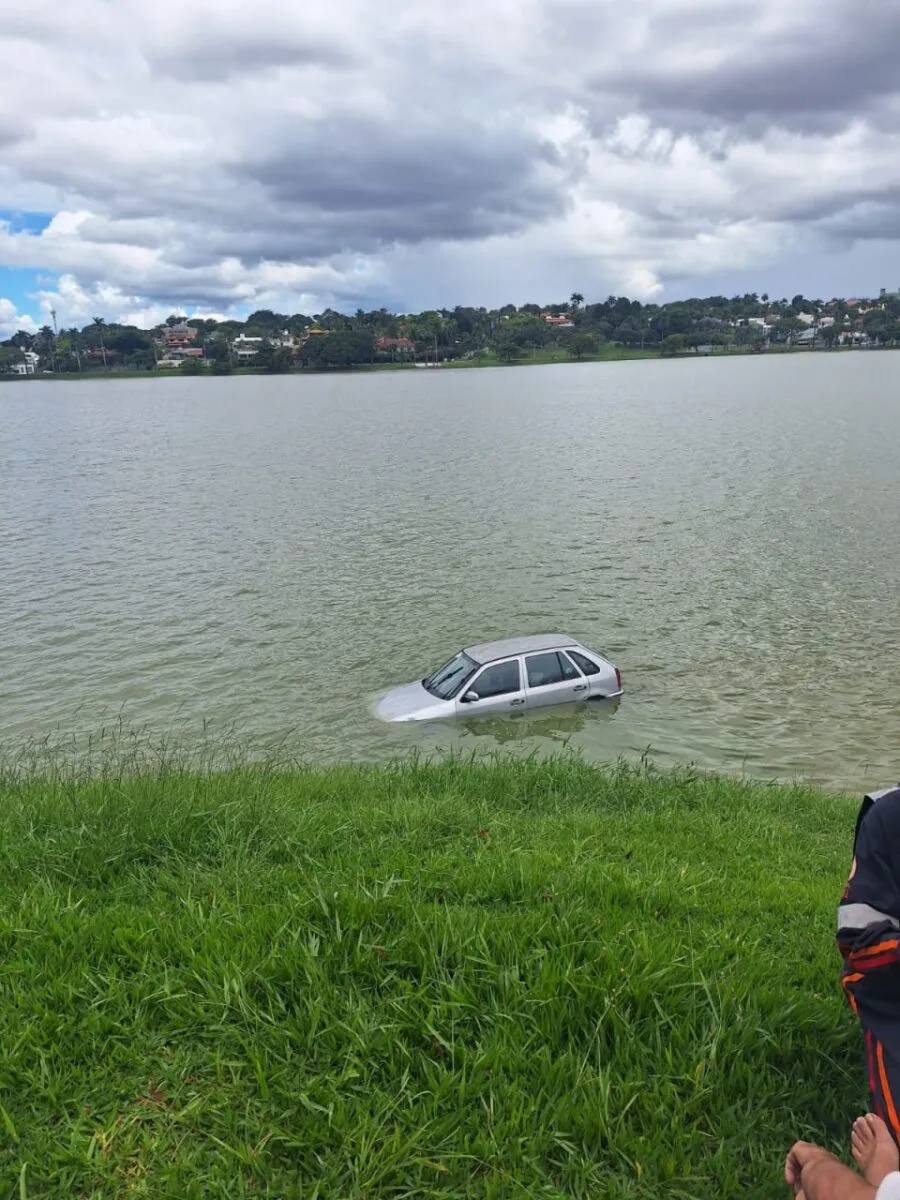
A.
x: 510, y: 333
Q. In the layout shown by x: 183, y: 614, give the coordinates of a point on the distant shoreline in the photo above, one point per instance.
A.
x: 620, y: 354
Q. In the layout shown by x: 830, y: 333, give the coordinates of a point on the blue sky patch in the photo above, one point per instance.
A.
x: 19, y: 286
x: 25, y: 222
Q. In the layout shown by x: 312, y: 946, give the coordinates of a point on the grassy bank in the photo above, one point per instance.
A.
x: 502, y: 980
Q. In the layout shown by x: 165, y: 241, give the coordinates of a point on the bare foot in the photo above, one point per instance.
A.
x: 874, y: 1149
x: 801, y: 1155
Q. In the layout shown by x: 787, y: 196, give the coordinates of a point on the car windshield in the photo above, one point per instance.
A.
x: 446, y: 682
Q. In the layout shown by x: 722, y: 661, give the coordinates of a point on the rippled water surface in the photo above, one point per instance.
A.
x: 265, y: 554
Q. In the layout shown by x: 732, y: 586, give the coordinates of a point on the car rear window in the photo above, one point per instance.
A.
x: 586, y: 665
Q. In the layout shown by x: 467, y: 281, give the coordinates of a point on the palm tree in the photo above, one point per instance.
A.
x: 45, y: 344
x: 576, y: 300
x: 99, y: 322
x: 74, y: 336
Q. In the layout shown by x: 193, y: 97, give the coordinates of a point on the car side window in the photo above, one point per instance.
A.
x: 548, y: 668
x: 498, y: 680
x: 589, y: 668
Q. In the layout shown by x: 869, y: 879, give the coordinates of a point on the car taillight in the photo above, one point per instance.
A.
x: 618, y: 679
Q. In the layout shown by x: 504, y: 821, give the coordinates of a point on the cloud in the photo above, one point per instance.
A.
x: 219, y: 156
x: 803, y: 65
x: 12, y: 321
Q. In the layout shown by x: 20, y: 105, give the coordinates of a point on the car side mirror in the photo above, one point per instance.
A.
x: 469, y: 697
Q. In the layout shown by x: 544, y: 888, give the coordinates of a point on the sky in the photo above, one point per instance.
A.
x: 218, y: 156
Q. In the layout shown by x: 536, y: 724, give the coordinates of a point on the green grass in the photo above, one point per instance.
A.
x: 511, y: 979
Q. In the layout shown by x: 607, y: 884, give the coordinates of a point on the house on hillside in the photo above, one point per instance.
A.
x: 103, y: 354
x: 558, y: 320
x: 400, y: 345
x: 806, y: 337
x: 28, y: 364
x: 244, y: 348
x: 179, y: 337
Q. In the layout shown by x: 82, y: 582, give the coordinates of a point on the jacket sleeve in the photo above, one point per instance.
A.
x: 868, y: 933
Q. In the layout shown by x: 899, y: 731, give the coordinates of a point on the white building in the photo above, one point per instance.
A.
x: 28, y: 365
x: 245, y: 348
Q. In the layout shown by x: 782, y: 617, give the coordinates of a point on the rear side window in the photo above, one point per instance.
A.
x: 589, y: 668
x: 544, y: 669
x: 498, y: 680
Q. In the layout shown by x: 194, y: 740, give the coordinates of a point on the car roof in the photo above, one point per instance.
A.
x: 486, y: 652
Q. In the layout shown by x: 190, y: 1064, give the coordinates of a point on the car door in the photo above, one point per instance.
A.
x: 552, y: 678
x: 601, y: 681
x: 496, y: 688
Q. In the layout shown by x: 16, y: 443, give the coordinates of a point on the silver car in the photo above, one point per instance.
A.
x: 506, y: 676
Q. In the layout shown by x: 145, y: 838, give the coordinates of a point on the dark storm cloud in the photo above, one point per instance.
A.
x: 869, y: 220
x: 363, y: 184
x: 840, y: 64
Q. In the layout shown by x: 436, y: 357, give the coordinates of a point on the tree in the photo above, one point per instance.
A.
x: 273, y: 360
x: 68, y: 350
x: 580, y: 344
x: 127, y: 339
x: 44, y: 345
x: 673, y: 344
x: 143, y: 360
x: 576, y: 300
x: 874, y: 323
x: 216, y: 349
x: 342, y: 350
x: 265, y: 319
x: 785, y: 328
x: 99, y: 323
x: 508, y: 346
x: 193, y: 366
x: 830, y: 335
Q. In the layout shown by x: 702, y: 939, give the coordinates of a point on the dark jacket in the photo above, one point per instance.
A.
x: 868, y: 937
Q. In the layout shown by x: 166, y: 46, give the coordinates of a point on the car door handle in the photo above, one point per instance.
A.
x: 582, y: 687
x: 512, y: 702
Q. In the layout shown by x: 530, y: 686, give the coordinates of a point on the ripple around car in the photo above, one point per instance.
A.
x: 506, y: 676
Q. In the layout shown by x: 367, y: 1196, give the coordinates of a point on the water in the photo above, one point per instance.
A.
x: 264, y: 554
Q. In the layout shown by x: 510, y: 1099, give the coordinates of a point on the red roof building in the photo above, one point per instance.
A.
x: 395, y: 343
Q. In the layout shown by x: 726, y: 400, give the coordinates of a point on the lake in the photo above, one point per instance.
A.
x: 257, y: 557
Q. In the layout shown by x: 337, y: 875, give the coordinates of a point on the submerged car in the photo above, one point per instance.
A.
x: 506, y: 676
